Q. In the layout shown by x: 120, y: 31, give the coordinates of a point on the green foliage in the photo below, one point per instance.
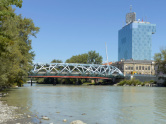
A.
x: 87, y: 58
x: 39, y: 80
x: 134, y: 82
x: 56, y: 61
x: 160, y: 61
x: 16, y: 53
x: 20, y: 82
x: 78, y: 59
x: 123, y: 82
x: 7, y: 3
x: 151, y: 81
x: 94, y: 58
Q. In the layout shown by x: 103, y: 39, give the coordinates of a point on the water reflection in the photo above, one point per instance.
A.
x: 92, y: 104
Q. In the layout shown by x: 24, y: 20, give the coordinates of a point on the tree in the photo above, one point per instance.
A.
x: 160, y: 62
x: 87, y: 58
x: 16, y: 53
x: 78, y: 59
x: 94, y: 58
x: 7, y: 3
x: 56, y: 61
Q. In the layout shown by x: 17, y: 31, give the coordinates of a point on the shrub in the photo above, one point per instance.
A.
x: 130, y: 82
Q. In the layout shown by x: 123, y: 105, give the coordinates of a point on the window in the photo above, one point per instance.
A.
x: 131, y: 68
x: 142, y: 67
x: 139, y: 67
x: 126, y: 68
x: 148, y: 67
x: 136, y: 67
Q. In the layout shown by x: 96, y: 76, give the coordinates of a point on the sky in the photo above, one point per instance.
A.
x: 73, y: 27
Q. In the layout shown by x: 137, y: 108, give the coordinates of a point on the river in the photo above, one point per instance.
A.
x: 91, y: 104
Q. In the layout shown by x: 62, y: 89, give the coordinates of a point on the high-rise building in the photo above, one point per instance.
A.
x: 135, y: 39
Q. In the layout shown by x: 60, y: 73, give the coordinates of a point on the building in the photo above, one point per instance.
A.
x: 109, y: 63
x: 143, y: 67
x: 134, y: 39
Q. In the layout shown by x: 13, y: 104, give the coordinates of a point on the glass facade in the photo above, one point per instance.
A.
x: 134, y: 41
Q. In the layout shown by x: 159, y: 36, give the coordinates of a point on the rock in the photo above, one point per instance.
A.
x: 51, y: 123
x: 77, y: 122
x: 83, y: 114
x: 29, y: 116
x: 45, y: 118
x: 64, y: 120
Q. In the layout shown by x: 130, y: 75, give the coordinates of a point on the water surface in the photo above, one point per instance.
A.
x: 92, y: 104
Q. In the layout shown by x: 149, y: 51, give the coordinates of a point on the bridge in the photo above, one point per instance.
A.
x: 73, y: 70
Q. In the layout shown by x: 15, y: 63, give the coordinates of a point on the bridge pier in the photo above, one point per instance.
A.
x: 77, y: 81
x: 113, y: 80
x: 96, y: 81
x: 55, y: 81
x: 31, y: 81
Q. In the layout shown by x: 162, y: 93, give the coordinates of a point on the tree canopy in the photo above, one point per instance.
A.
x: 160, y: 60
x: 16, y: 53
x: 87, y: 58
x: 94, y: 58
x: 56, y: 61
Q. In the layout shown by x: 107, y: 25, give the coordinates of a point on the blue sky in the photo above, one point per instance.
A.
x: 72, y: 27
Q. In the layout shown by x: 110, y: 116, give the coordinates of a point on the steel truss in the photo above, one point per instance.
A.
x: 73, y: 69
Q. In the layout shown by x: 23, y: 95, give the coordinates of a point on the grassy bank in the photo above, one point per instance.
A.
x: 135, y: 82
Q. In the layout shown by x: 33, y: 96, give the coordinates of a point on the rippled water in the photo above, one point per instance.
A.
x: 101, y: 104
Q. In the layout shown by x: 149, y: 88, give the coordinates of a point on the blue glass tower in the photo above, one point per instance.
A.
x: 134, y: 39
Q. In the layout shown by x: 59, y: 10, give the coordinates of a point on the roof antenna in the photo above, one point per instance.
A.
x: 130, y: 8
x: 106, y: 53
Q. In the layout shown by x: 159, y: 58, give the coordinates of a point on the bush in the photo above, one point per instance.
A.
x: 151, y: 81
x: 130, y: 82
x: 121, y: 83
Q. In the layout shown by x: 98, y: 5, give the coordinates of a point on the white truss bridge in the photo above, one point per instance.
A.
x: 74, y: 70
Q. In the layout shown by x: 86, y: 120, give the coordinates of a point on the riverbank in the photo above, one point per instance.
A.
x: 7, y: 112
x: 10, y: 115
